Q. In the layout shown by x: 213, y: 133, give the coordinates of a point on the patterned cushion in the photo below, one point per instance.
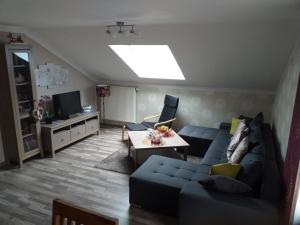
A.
x: 240, y: 151
x: 240, y: 133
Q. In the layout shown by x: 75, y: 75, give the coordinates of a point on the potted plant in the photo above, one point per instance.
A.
x: 44, y: 103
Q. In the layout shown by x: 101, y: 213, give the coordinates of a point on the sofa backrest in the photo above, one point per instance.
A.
x: 253, y: 162
x: 271, y: 184
x: 260, y: 169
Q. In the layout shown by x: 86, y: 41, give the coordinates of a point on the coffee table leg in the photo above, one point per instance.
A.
x: 185, y: 153
x: 129, y: 146
x: 135, y: 159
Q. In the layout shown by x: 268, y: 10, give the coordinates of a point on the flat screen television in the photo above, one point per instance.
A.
x: 67, y: 104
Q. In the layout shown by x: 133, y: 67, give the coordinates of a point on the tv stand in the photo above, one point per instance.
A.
x: 65, y: 132
x: 73, y: 115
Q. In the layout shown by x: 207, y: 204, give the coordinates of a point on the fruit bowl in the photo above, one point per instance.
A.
x: 163, y: 129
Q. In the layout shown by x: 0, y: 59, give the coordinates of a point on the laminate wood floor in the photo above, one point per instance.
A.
x: 26, y: 194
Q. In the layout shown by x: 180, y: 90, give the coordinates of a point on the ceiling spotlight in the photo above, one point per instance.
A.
x: 127, y: 29
x: 120, y: 23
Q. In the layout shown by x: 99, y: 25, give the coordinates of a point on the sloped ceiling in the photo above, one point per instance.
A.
x: 217, y: 43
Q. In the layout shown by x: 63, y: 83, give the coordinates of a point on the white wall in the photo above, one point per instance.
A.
x: 285, y: 100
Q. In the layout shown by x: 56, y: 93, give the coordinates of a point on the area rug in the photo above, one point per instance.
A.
x: 117, y: 162
x: 121, y: 163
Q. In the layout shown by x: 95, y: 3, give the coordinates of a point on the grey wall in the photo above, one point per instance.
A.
x: 204, y: 107
x: 285, y: 99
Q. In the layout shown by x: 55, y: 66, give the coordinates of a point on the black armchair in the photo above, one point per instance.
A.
x: 166, y: 117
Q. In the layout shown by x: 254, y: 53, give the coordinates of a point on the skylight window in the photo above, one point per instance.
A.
x: 150, y: 61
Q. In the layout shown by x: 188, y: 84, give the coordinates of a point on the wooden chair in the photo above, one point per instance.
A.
x: 64, y: 213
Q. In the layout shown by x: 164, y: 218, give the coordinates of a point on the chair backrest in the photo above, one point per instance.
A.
x: 64, y: 213
x: 170, y: 109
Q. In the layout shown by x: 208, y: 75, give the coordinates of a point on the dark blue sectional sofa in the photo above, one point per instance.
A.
x: 170, y: 186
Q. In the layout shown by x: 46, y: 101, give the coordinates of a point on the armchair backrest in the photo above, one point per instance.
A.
x: 170, y: 109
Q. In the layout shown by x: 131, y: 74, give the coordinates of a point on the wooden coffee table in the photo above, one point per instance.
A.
x: 143, y: 149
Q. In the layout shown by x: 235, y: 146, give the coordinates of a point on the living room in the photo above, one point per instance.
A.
x: 149, y: 112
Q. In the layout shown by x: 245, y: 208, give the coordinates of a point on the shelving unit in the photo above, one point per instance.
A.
x: 22, y: 133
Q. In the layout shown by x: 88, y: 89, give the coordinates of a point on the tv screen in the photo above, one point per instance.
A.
x: 66, y: 104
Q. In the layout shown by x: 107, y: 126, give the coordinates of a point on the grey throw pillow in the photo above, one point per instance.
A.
x: 225, y: 184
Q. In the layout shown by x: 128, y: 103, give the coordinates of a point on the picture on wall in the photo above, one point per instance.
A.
x: 51, y: 75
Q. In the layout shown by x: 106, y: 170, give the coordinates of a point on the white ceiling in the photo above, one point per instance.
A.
x: 242, y: 44
x: 41, y: 13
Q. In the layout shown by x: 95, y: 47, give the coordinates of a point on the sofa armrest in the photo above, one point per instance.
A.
x: 198, y: 205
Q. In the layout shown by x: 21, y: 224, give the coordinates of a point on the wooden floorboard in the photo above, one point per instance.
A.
x: 26, y: 194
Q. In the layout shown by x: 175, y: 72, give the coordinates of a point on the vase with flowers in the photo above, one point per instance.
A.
x: 45, y: 104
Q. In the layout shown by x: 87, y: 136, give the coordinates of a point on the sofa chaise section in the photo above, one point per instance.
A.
x: 171, y: 186
x: 157, y: 183
x: 198, y: 205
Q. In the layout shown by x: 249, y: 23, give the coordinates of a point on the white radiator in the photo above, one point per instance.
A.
x: 121, y: 104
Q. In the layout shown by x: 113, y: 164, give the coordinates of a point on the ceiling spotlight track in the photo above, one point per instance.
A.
x: 121, y: 28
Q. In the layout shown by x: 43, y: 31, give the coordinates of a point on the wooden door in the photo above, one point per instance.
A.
x: 291, y: 163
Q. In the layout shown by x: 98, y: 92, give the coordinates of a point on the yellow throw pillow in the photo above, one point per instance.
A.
x: 234, y: 125
x: 226, y: 169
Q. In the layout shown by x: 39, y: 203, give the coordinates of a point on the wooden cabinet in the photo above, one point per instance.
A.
x: 91, y: 126
x: 64, y: 132
x: 20, y: 130
x: 61, y: 139
x: 77, y: 132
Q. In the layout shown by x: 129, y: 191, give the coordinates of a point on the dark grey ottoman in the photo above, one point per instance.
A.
x: 199, y: 138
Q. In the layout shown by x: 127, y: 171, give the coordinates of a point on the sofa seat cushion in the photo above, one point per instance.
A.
x: 199, y: 132
x: 156, y: 184
x: 169, y: 171
x: 216, y: 153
